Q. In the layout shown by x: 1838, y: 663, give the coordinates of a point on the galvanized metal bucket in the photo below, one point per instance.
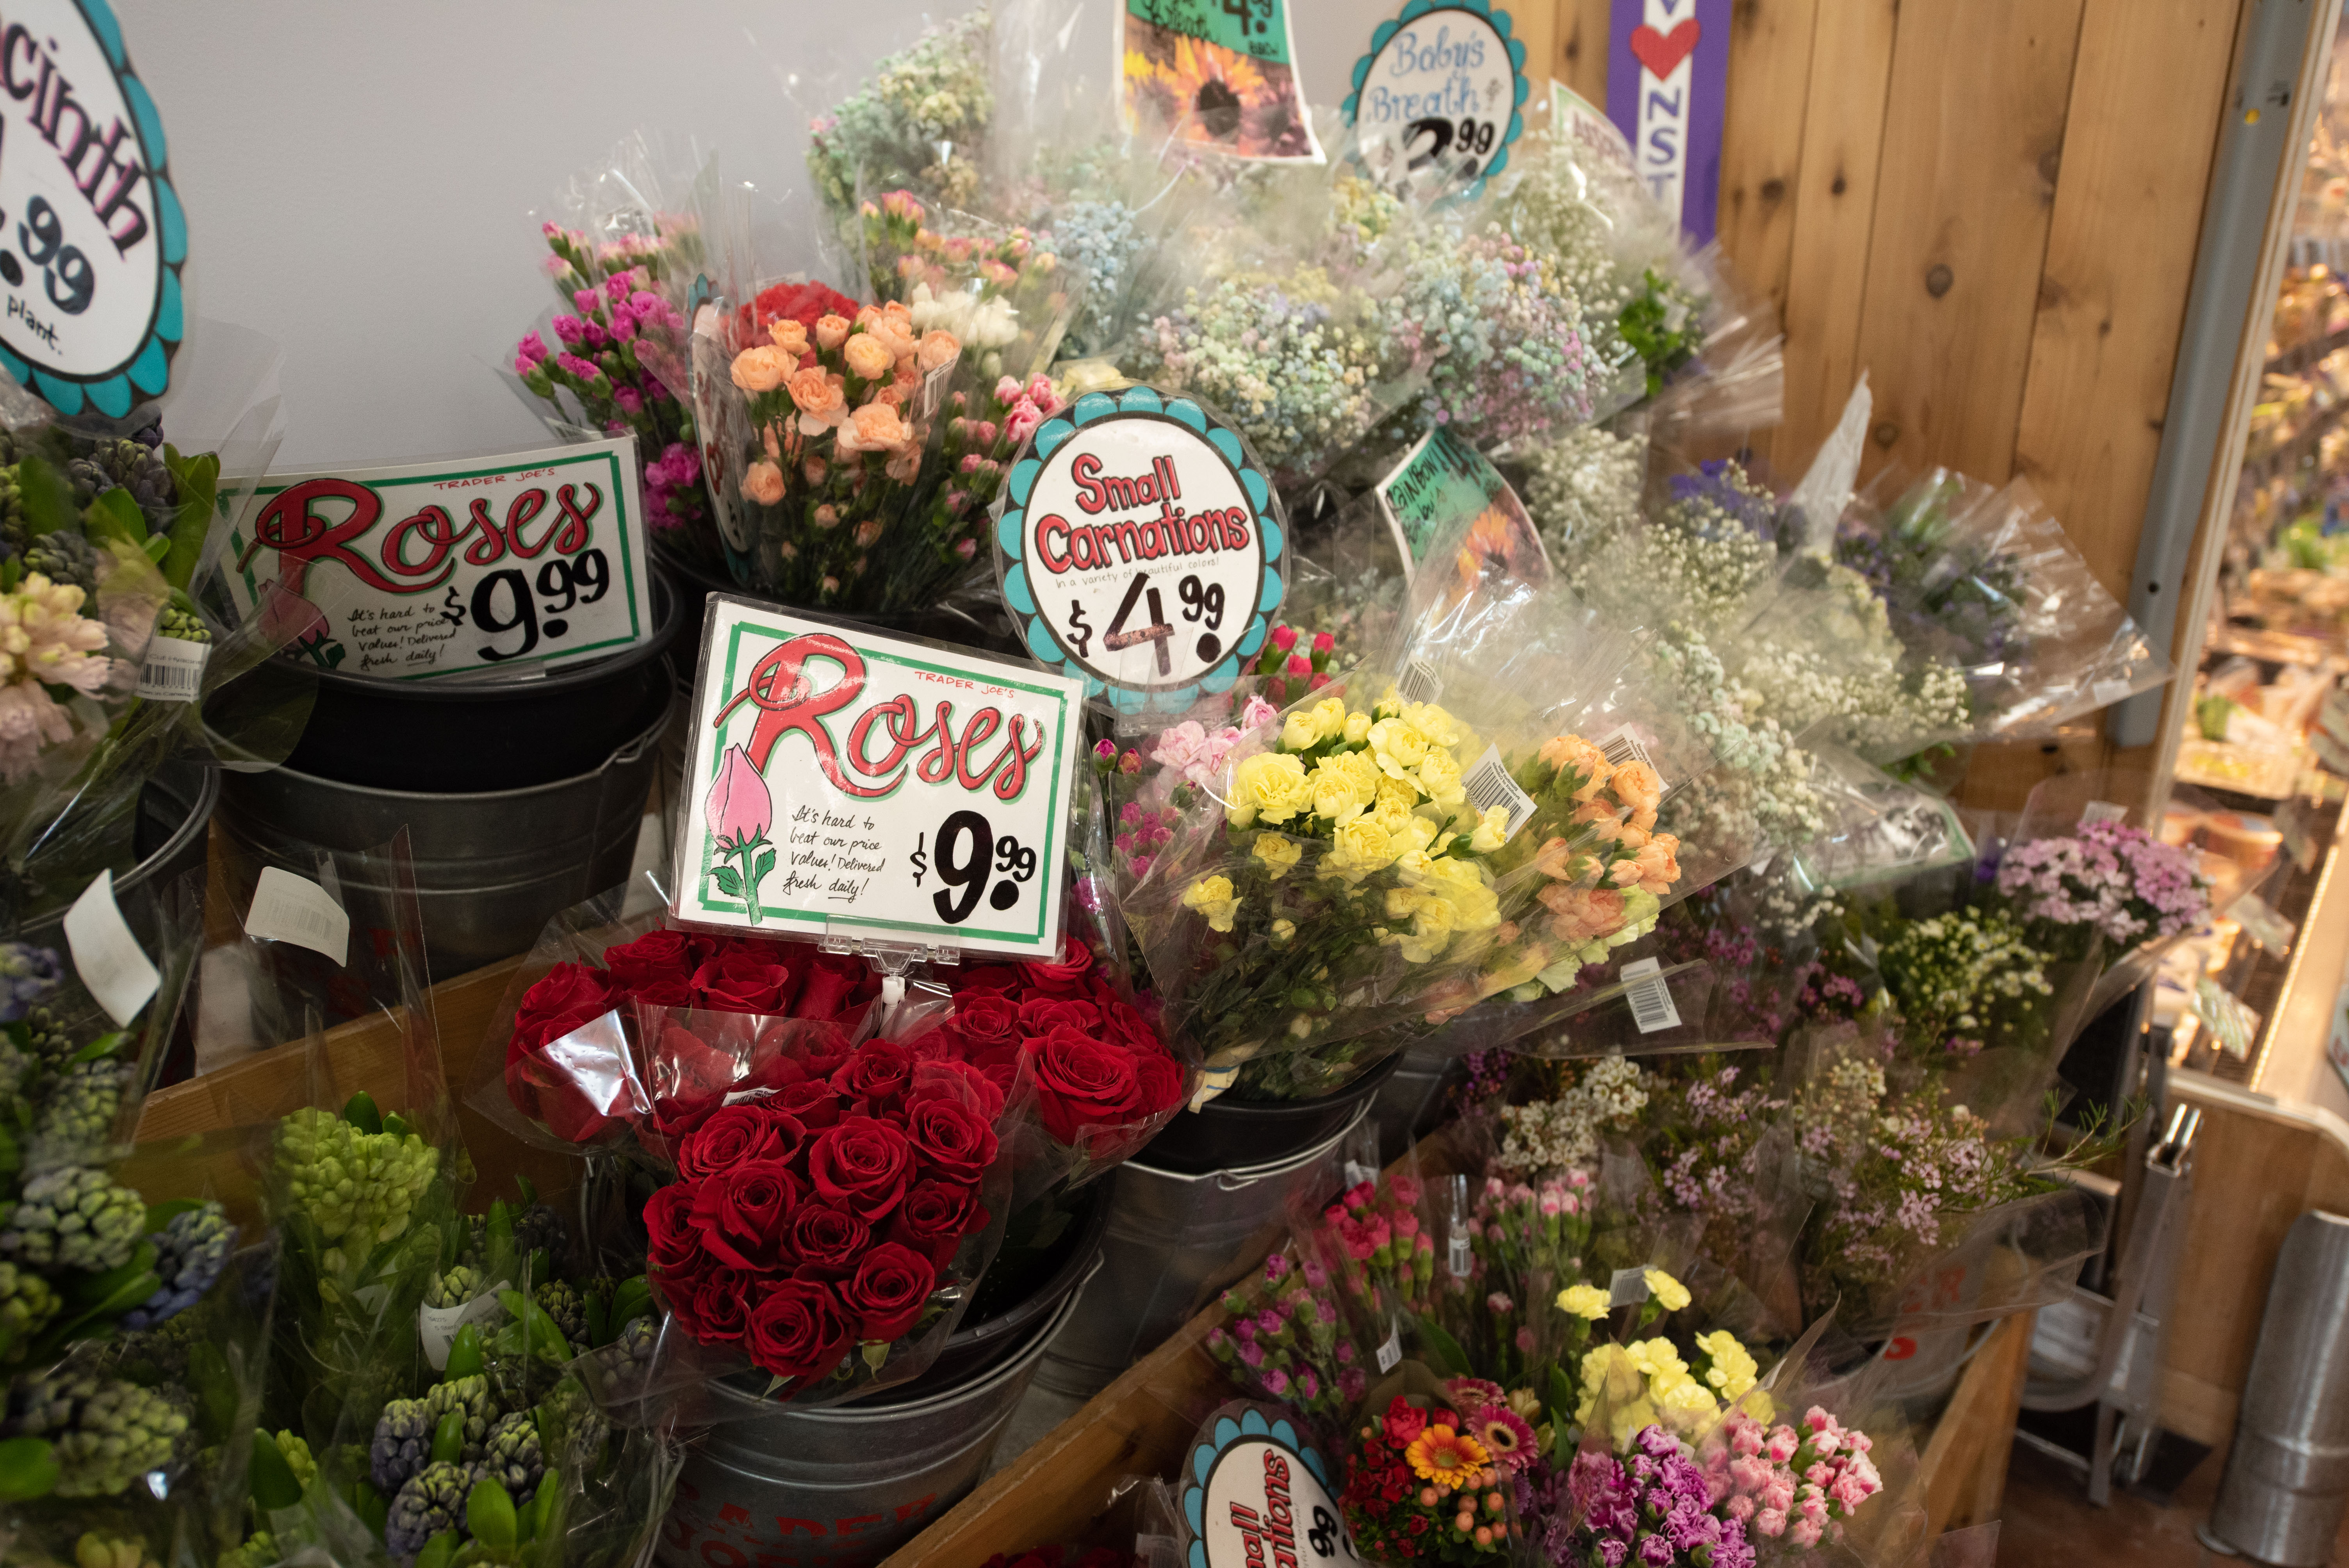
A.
x: 491, y: 869
x: 2287, y: 1477
x: 1170, y: 1244
x: 845, y: 1487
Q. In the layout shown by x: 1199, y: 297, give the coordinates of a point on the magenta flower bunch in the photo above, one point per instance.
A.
x: 1284, y: 1341
x: 2104, y: 878
x: 1654, y: 1508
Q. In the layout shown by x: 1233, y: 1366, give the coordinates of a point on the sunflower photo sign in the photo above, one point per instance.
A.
x: 1215, y: 75
x: 1253, y: 1495
x: 1443, y: 479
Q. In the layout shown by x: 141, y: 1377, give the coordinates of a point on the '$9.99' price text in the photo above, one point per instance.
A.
x: 967, y: 854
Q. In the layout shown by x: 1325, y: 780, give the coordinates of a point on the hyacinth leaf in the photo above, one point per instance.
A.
x: 490, y: 1515
x: 1446, y: 1348
x: 162, y: 1214
x: 631, y: 1299
x: 48, y: 496
x: 104, y: 1045
x: 398, y: 1125
x: 438, y: 1552
x: 198, y: 481
x: 361, y: 1111
x: 529, y: 1190
x: 28, y: 1468
x: 543, y: 1506
x: 114, y: 518
x: 448, y: 1438
x: 274, y: 1485
x: 599, y: 1318
x: 465, y: 1357
x: 372, y: 1507
x: 214, y: 1384
x: 156, y: 547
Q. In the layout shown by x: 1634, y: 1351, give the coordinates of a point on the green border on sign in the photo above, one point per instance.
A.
x: 992, y: 675
x: 622, y: 494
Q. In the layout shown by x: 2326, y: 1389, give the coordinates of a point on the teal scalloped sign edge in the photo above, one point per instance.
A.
x: 147, y: 372
x: 1502, y: 23
x: 1036, y: 634
x: 1222, y: 1431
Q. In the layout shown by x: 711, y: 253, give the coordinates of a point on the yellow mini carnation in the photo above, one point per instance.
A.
x: 1212, y: 897
x: 1358, y: 726
x: 1584, y: 1301
x: 1439, y: 775
x: 1733, y: 1368
x: 1670, y: 1294
x: 1270, y: 785
x: 1299, y: 732
x: 1490, y: 833
x: 1278, y: 852
x: 1399, y: 747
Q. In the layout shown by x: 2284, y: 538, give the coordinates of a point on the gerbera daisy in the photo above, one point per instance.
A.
x: 1503, y: 1435
x: 1446, y: 1457
x: 1474, y: 1393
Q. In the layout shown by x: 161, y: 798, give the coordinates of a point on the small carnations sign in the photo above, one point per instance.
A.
x: 847, y: 785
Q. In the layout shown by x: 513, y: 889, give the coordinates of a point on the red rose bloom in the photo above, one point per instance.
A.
x: 741, y: 1214
x: 862, y: 1165
x: 1124, y: 1023
x: 1404, y: 1421
x: 836, y: 984
x: 1417, y: 1524
x: 951, y: 1139
x: 811, y: 1102
x: 889, y: 1290
x: 721, y: 1307
x: 934, y: 1218
x: 1040, y: 1015
x: 737, y: 1135
x: 987, y: 1021
x: 798, y: 1330
x: 1069, y: 977
x: 655, y: 957
x: 565, y: 997
x: 825, y: 1241
x: 747, y: 977
x: 1083, y: 1082
x: 960, y: 1082
x: 669, y: 1217
x: 998, y: 978
x: 874, y: 1076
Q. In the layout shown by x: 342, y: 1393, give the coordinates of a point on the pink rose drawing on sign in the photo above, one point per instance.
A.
x: 738, y: 812
x: 291, y: 621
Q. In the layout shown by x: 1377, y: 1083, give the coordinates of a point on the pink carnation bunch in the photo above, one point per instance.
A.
x: 1801, y: 1483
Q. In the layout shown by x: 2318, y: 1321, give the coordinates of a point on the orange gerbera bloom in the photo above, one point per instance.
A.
x: 1446, y: 1457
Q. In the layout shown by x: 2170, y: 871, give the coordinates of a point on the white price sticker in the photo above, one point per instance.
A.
x: 173, y: 670
x: 1628, y: 1288
x: 106, y: 953
x: 1391, y: 1349
x: 2103, y: 811
x: 426, y: 570
x: 2104, y: 694
x: 437, y: 1326
x: 287, y: 908
x: 1459, y: 1261
x: 1650, y: 997
x: 860, y: 787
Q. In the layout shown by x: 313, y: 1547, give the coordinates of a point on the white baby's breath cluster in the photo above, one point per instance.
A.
x: 1830, y: 654
x: 1582, y: 488
x: 1761, y: 788
x: 1552, y: 1137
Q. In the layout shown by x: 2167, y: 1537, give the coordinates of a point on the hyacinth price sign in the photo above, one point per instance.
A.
x: 876, y: 790
x: 434, y: 568
x: 1138, y: 549
x: 91, y: 235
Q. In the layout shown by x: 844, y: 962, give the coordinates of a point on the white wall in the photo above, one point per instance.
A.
x: 358, y: 174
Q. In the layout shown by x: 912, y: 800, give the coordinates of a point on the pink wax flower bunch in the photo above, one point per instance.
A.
x: 1799, y: 1483
x: 618, y: 357
x: 2104, y: 878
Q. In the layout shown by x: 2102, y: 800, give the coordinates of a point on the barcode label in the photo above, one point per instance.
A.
x: 174, y: 670
x: 287, y: 908
x: 1391, y: 1351
x: 1628, y: 1288
x: 1650, y: 998
x: 1489, y: 785
x: 1624, y: 747
x: 1418, y: 682
x: 113, y: 968
x: 2103, y: 811
x: 1459, y: 1258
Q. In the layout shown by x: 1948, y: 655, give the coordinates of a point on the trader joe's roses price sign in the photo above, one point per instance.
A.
x: 848, y: 786
x: 433, y: 569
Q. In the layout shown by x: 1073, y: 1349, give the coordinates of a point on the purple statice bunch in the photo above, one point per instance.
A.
x: 1656, y: 1511
x: 1719, y: 499
x: 2107, y: 877
x: 1281, y: 1337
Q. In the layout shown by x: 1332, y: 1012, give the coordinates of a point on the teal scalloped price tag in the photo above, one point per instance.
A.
x: 1141, y: 549
x: 1253, y: 1495
x: 1440, y: 98
x: 91, y: 235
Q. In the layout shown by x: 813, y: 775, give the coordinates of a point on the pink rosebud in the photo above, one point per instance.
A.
x: 1107, y: 750
x: 1284, y: 637
x: 1526, y: 1340
x: 1318, y: 682
x: 738, y: 809
x: 1299, y: 665
x: 1323, y: 643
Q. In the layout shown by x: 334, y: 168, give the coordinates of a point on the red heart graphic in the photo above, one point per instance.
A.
x: 1662, y: 53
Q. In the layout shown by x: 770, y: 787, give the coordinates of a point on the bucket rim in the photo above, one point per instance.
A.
x: 1238, y: 1176
x: 199, y: 818
x: 1015, y: 1366
x: 631, y: 751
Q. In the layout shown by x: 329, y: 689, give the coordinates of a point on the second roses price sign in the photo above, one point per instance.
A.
x: 885, y: 792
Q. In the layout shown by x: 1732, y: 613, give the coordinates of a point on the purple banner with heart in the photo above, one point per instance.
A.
x: 1666, y: 81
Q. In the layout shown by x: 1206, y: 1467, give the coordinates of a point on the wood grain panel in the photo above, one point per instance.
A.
x: 1973, y: 133
x: 1834, y: 208
x: 2138, y: 141
x: 1762, y: 140
x: 1580, y: 58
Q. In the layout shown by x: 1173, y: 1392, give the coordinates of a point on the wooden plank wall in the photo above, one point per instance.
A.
x: 1991, y: 207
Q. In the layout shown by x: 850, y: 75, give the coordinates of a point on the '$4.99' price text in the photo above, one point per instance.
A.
x: 968, y: 853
